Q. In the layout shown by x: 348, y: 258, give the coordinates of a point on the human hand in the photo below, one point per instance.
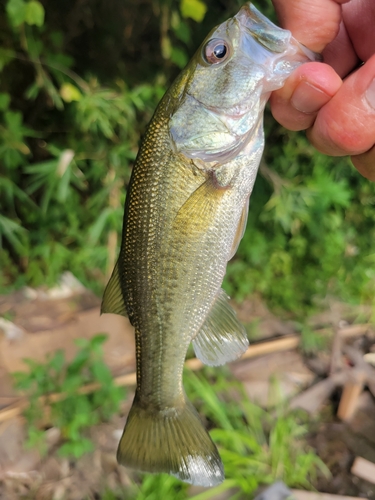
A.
x: 339, y: 115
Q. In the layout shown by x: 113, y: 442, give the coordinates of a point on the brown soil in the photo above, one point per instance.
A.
x: 46, y: 324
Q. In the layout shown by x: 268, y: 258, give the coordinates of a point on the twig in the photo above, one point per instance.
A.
x: 194, y: 364
x: 364, y: 469
x: 312, y: 399
x: 357, y: 358
x: 336, y: 350
x: 311, y: 495
x: 354, y: 330
x: 260, y: 349
x: 352, y: 390
x: 54, y: 65
x: 347, y: 332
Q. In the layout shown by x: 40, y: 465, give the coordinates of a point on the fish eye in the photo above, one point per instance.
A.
x: 216, y: 51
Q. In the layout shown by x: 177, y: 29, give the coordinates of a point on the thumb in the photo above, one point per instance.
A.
x: 315, y: 23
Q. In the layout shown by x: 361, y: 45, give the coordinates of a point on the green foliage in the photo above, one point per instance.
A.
x: 73, y: 413
x: 154, y: 487
x: 66, y: 147
x: 20, y: 12
x: 79, y: 82
x: 257, y: 446
x: 196, y: 9
x: 312, y: 342
x: 301, y: 242
x: 70, y: 128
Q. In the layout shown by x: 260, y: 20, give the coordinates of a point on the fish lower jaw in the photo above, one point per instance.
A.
x: 235, y: 112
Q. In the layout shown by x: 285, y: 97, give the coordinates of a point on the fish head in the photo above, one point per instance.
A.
x: 224, y: 88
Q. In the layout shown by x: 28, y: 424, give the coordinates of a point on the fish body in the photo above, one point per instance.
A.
x: 185, y: 213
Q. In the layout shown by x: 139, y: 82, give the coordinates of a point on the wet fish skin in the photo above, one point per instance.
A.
x: 185, y: 214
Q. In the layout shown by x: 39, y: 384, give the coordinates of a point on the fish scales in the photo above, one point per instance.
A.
x: 161, y: 266
x: 185, y: 213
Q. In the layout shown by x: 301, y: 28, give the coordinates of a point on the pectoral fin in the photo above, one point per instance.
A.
x: 240, y: 230
x: 221, y: 338
x: 113, y: 301
x: 196, y: 214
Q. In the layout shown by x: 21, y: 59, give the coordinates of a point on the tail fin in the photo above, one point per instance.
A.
x: 172, y: 441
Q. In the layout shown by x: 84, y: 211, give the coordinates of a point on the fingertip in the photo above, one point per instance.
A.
x: 315, y: 24
x: 305, y: 92
x: 321, y: 76
x: 346, y: 124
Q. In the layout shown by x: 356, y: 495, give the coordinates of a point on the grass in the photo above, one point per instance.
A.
x: 257, y: 447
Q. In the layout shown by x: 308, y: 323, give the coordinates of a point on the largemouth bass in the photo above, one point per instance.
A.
x: 185, y: 213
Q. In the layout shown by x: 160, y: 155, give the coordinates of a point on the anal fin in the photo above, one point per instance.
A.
x: 221, y: 338
x: 113, y: 300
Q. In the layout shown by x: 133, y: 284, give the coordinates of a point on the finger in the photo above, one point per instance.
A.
x: 359, y: 19
x: 314, y: 23
x: 346, y: 124
x: 365, y: 164
x: 305, y: 92
x: 340, y: 53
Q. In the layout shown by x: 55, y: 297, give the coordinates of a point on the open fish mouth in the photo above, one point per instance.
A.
x: 263, y: 43
x: 270, y: 36
x: 234, y: 112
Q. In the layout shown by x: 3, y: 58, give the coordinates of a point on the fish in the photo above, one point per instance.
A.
x: 185, y: 214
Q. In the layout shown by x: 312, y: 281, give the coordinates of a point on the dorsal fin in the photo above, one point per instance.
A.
x: 221, y: 338
x: 113, y: 300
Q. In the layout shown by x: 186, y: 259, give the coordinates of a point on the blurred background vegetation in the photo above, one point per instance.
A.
x: 79, y: 82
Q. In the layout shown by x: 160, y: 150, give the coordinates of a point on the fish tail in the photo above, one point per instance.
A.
x: 172, y: 441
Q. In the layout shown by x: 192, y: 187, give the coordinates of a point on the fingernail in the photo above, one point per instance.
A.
x: 308, y: 99
x: 370, y: 94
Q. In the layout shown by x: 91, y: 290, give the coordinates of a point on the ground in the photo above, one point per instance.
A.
x: 43, y: 321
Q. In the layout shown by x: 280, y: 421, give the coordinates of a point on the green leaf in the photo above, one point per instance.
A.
x: 34, y: 13
x: 181, y: 28
x: 101, y: 373
x: 98, y: 340
x: 4, y: 101
x: 13, y: 232
x: 195, y: 9
x: 70, y: 93
x: 16, y: 10
x: 179, y: 57
x: 101, y: 223
x: 5, y: 57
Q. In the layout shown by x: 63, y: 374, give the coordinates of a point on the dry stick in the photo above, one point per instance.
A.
x: 357, y: 358
x: 7, y: 400
x: 282, y: 344
x: 312, y: 399
x: 355, y: 330
x: 311, y: 495
x: 351, y: 393
x: 347, y: 332
x: 364, y: 469
x: 336, y: 353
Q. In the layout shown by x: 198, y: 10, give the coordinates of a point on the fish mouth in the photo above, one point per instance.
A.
x: 270, y: 36
x: 235, y: 112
